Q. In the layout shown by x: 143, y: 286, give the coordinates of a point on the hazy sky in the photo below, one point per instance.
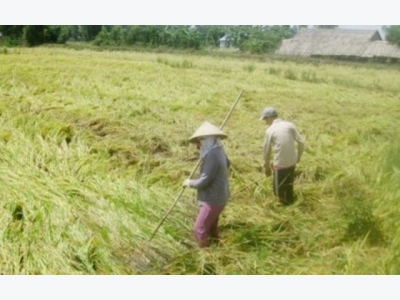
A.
x: 369, y: 27
x: 205, y: 12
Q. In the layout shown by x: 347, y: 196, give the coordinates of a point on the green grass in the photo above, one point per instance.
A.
x: 95, y: 148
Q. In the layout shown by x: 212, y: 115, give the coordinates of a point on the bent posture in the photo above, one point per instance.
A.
x: 280, y: 138
x: 212, y: 185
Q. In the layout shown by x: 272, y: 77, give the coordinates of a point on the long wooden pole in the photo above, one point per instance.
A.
x: 194, y: 170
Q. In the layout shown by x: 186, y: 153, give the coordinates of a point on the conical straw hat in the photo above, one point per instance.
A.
x: 207, y: 129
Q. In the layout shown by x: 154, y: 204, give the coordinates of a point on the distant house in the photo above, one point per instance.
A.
x: 338, y: 43
x: 224, y: 42
x: 382, y: 49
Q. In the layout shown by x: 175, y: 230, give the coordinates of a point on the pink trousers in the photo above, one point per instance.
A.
x: 206, y: 225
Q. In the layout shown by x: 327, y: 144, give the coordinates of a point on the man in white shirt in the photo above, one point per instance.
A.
x: 280, y: 138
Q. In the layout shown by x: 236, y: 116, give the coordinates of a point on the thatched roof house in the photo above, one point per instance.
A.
x: 382, y: 49
x: 338, y: 42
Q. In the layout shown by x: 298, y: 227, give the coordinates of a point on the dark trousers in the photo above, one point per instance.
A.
x: 283, y: 185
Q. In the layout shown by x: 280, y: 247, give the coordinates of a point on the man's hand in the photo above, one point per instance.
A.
x: 186, y: 182
x: 268, y: 171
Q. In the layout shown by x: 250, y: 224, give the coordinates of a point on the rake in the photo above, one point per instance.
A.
x: 144, y: 256
x: 194, y: 170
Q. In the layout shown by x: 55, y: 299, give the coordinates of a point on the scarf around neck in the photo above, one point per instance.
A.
x: 209, y: 143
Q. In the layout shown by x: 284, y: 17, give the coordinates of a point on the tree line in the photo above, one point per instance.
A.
x: 254, y: 39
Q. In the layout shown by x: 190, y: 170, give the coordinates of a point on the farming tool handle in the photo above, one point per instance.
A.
x: 195, y: 168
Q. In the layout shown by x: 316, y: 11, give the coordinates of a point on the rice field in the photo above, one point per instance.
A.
x: 94, y: 149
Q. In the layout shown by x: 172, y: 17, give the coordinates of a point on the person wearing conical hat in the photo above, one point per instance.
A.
x: 212, y: 185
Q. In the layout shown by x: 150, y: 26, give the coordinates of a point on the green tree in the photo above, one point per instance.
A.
x: 12, y: 31
x: 39, y: 34
x: 51, y: 33
x: 72, y: 31
x: 34, y: 34
x: 89, y: 32
x: 65, y: 34
x: 11, y: 35
x: 209, y: 35
x: 238, y: 35
x: 392, y: 34
x: 183, y: 36
x: 103, y: 37
x: 144, y: 34
x: 262, y: 39
x: 117, y: 34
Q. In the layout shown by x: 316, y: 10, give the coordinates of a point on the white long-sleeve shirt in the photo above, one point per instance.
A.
x: 281, y: 137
